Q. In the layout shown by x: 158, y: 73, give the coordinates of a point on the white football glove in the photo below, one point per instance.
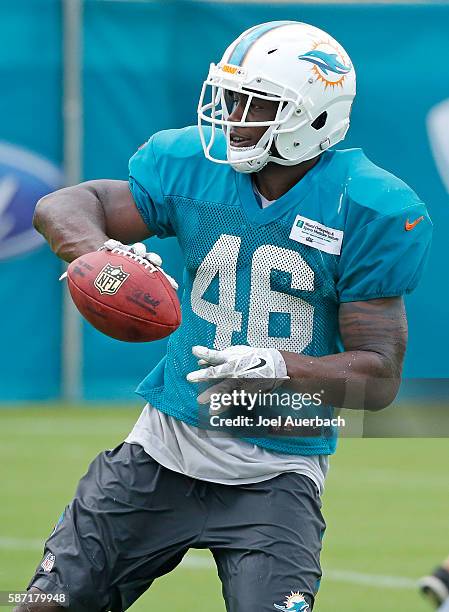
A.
x: 237, y: 362
x: 138, y: 249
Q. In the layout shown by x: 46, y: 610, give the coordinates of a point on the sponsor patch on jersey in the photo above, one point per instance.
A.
x: 316, y: 235
x: 48, y: 562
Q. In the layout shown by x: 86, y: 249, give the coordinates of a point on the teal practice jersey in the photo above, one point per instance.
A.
x: 272, y: 277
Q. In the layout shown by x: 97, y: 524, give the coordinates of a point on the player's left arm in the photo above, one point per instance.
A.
x: 368, y: 373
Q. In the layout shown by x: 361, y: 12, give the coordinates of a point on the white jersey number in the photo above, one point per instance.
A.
x: 222, y: 261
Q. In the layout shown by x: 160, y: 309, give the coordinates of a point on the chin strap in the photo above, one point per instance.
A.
x: 238, y: 156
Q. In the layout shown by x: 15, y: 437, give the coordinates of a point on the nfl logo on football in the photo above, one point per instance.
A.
x: 48, y: 562
x: 110, y: 279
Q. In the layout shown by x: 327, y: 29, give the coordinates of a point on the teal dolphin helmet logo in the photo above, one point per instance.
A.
x: 328, y: 62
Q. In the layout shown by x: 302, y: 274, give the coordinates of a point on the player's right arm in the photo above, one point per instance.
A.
x: 79, y: 219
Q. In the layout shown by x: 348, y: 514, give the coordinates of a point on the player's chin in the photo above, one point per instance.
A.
x: 242, y: 149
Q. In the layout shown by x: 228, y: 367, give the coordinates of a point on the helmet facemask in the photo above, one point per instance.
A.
x: 216, y: 112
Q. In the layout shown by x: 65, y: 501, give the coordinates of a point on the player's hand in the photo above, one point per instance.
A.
x: 238, y: 362
x: 246, y: 363
x: 140, y: 250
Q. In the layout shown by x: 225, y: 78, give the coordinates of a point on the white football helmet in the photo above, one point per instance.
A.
x: 295, y: 64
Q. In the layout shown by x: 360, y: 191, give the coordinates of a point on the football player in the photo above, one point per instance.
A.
x: 435, y: 587
x: 297, y: 257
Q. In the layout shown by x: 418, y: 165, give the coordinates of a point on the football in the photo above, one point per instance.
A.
x: 124, y: 296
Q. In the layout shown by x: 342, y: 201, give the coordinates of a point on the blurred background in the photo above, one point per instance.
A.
x: 83, y: 84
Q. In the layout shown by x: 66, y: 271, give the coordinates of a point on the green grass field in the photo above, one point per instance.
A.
x: 386, y: 506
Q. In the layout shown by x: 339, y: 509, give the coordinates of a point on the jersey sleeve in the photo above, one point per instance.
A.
x: 386, y: 256
x: 146, y: 188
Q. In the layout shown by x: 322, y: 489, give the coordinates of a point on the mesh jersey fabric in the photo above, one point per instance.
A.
x: 247, y: 282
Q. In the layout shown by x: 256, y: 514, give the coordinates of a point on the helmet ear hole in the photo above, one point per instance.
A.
x: 320, y: 121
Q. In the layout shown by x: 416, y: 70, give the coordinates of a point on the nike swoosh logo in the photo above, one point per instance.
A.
x: 261, y: 363
x: 409, y: 226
